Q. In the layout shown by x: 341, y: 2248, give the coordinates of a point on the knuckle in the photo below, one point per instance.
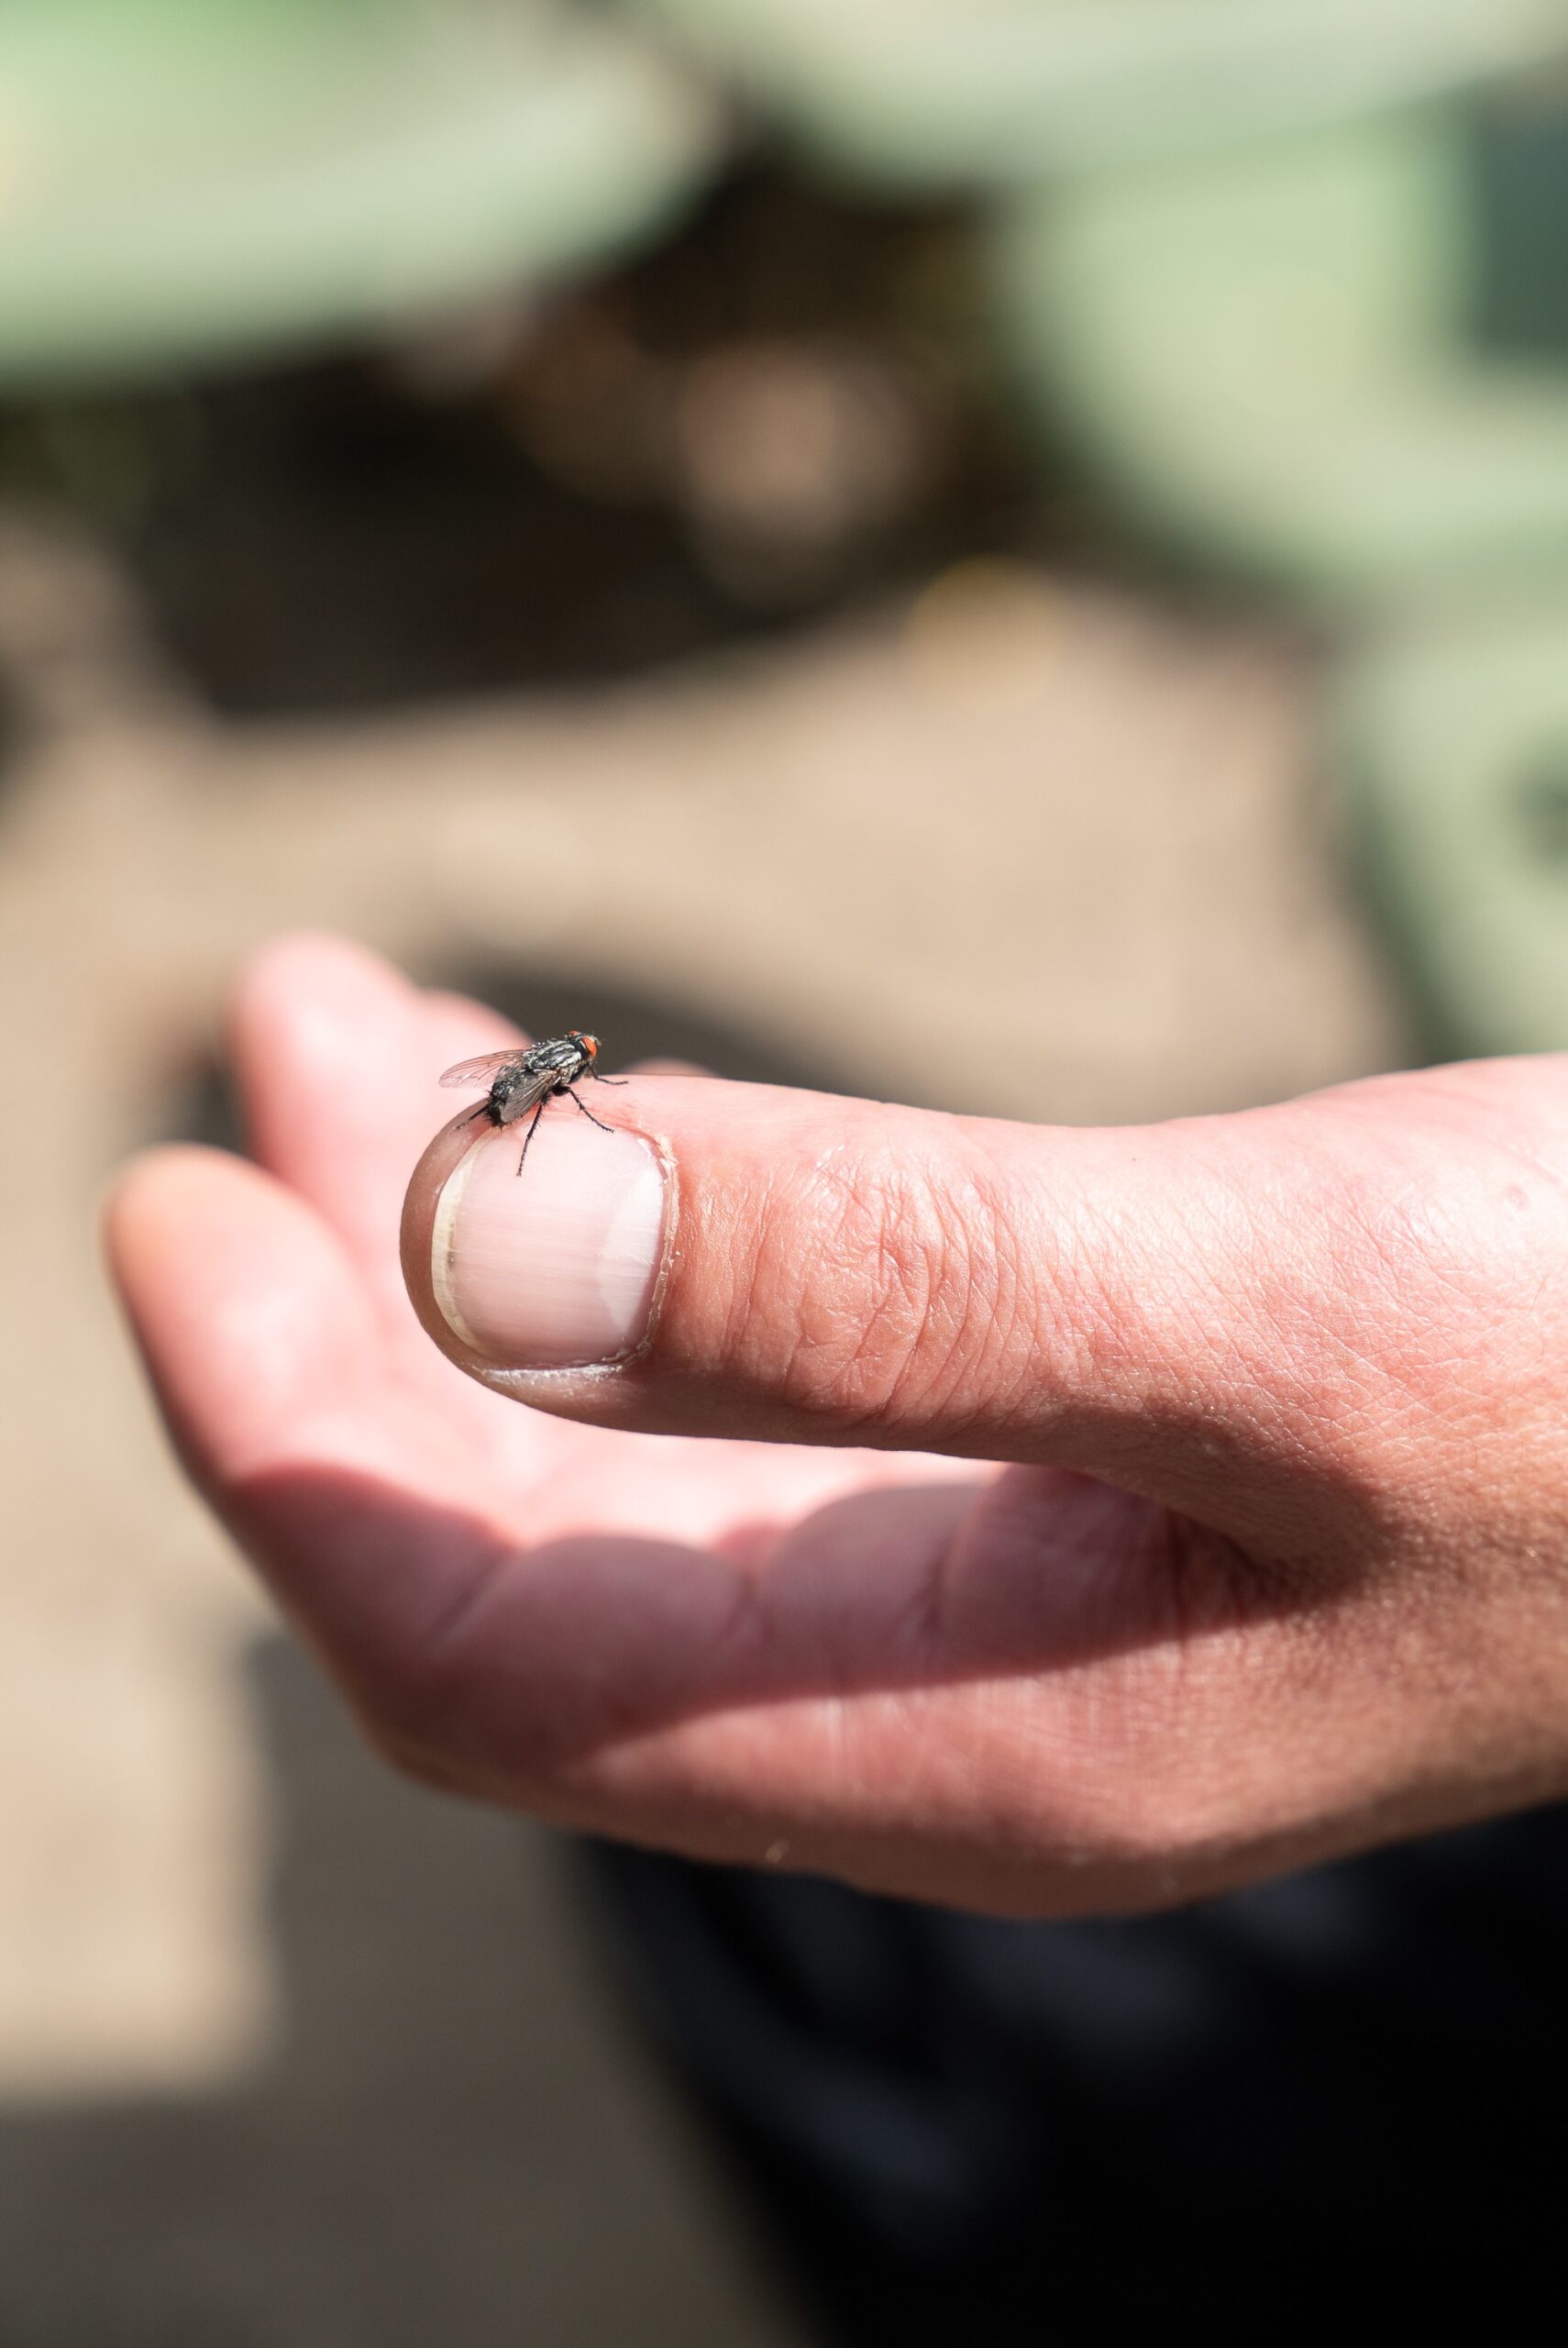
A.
x: 1157, y: 1819
x: 880, y: 1290
x: 1171, y: 1825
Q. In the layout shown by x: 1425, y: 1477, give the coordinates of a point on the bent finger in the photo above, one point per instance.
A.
x: 268, y: 1359
x: 339, y: 1059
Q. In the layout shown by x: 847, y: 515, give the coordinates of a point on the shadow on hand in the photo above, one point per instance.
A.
x: 448, y: 1632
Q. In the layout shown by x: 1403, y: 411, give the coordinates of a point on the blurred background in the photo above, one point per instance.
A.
x: 1052, y: 512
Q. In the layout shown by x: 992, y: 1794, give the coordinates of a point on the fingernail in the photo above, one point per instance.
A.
x: 555, y: 1266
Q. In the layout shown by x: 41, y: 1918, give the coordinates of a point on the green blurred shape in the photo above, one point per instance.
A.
x: 1452, y: 748
x: 1284, y: 358
x: 185, y: 181
x: 987, y: 93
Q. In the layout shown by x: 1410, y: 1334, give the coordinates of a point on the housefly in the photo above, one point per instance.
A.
x: 528, y: 1075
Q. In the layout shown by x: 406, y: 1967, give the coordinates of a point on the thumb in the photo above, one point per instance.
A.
x: 1193, y: 1310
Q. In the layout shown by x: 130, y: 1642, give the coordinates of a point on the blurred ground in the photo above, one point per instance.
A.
x: 290, y: 2053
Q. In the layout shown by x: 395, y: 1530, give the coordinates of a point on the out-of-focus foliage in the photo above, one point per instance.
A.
x: 1286, y: 277
x: 1452, y: 747
x: 997, y: 93
x: 182, y: 180
x: 1282, y: 355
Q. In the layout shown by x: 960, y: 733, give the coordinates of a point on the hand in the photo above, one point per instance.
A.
x: 1281, y: 1567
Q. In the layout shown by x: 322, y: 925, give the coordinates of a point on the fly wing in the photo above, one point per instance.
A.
x: 532, y: 1087
x: 486, y: 1067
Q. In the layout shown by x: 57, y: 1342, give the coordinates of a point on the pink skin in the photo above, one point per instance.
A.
x: 1280, y: 1567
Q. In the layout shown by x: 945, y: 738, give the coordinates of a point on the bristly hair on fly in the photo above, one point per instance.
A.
x: 526, y: 1076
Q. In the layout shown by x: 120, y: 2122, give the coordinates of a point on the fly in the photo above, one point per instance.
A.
x: 528, y: 1075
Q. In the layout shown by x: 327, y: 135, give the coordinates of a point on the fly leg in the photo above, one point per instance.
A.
x: 587, y: 1111
x: 529, y: 1135
x: 593, y: 1072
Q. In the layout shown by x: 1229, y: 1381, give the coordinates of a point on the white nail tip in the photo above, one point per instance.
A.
x: 441, y: 1251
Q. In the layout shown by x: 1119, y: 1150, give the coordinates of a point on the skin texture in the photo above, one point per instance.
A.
x: 1099, y: 1518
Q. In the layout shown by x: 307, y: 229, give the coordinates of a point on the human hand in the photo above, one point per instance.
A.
x: 1280, y: 1568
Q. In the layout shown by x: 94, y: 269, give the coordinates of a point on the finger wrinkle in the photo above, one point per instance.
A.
x: 883, y: 1295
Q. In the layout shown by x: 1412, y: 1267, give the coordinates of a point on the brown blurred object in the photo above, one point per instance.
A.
x: 590, y: 406
x: 790, y: 457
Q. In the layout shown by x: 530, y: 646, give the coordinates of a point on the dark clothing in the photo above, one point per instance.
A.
x: 1295, y: 2106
